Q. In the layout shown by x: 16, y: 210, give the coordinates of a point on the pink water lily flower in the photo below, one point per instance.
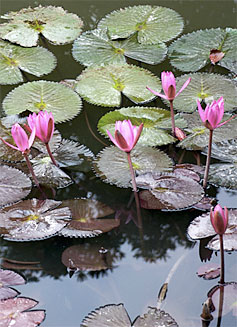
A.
x: 21, y: 139
x: 126, y: 135
x: 44, y: 124
x: 169, y: 86
x: 219, y: 219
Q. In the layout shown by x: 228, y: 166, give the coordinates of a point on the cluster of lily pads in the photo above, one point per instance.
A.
x: 134, y: 33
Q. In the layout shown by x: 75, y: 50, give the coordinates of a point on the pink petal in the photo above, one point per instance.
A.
x: 202, y: 113
x: 12, y: 146
x: 156, y: 93
x: 184, y: 86
x: 167, y: 80
x: 112, y: 139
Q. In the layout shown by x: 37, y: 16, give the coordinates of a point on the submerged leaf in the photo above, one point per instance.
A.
x: 224, y: 175
x: 43, y: 95
x: 144, y: 159
x: 14, y: 185
x: 104, y: 86
x: 191, y: 51
x: 54, y: 23
x: 153, y: 24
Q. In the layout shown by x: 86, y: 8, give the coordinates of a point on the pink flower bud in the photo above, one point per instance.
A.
x: 179, y: 134
x: 219, y: 219
x: 44, y: 124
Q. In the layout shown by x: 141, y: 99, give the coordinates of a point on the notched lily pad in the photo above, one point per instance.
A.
x: 54, y: 23
x: 157, y: 123
x: 33, y: 219
x: 224, y: 175
x: 104, y: 86
x: 14, y: 185
x: 43, y: 95
x: 144, y: 159
x: 209, y: 271
x: 171, y: 191
x: 8, y: 278
x: 153, y: 24
x: 191, y: 52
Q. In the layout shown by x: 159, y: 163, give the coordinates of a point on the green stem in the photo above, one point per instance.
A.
x: 31, y: 169
x: 172, y: 117
x: 208, y: 160
x: 222, y: 279
x: 50, y: 154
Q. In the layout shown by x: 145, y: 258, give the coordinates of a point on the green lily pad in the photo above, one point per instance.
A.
x: 224, y: 151
x: 54, y: 23
x: 157, y: 123
x: 205, y: 87
x: 43, y: 95
x: 191, y: 51
x: 96, y: 48
x: 153, y: 24
x: 224, y: 175
x: 103, y: 86
x: 37, y: 61
x: 199, y: 134
x: 144, y: 159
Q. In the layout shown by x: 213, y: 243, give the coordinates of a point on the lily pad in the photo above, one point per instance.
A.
x: 17, y: 310
x: 229, y: 242
x: 156, y: 122
x: 171, y: 191
x: 205, y: 87
x: 153, y: 24
x: 54, y: 23
x: 33, y: 219
x: 37, y: 61
x: 209, y: 271
x: 224, y: 151
x: 96, y: 48
x: 191, y: 51
x: 14, y: 185
x: 7, y: 278
x: 224, y: 175
x: 43, y: 95
x: 144, y: 159
x: 104, y: 86
x: 198, y: 137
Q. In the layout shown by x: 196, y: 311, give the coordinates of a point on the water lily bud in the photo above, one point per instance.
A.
x: 179, y: 134
x: 219, y: 219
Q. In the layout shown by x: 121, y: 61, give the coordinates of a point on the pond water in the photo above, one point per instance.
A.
x: 141, y: 258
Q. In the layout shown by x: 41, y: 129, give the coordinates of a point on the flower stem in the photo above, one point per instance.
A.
x: 220, y: 309
x: 132, y: 172
x: 208, y: 160
x: 50, y: 154
x: 172, y: 118
x: 222, y: 279
x: 31, y: 169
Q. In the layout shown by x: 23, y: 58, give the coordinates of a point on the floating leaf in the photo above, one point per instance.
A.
x: 33, y: 219
x: 96, y: 48
x: 155, y: 121
x: 54, y: 23
x: 191, y: 51
x: 43, y: 95
x: 205, y: 204
x: 37, y: 61
x: 209, y: 271
x: 16, y: 312
x: 204, y: 87
x: 86, y: 257
x: 155, y: 317
x: 224, y: 151
x: 171, y: 191
x: 144, y: 159
x: 153, y: 24
x: 199, y: 134
x: 229, y: 242
x: 103, y: 85
x: 201, y: 226
x: 7, y: 278
x: 14, y: 185
x: 224, y: 175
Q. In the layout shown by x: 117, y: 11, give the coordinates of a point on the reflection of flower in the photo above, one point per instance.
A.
x: 7, y: 278
x: 219, y: 219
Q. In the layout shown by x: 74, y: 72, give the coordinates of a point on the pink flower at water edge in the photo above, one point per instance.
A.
x: 219, y: 219
x: 213, y: 114
x: 126, y: 135
x: 169, y: 86
x: 21, y: 139
x: 44, y: 124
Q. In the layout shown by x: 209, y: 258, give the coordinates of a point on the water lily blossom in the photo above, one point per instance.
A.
x: 219, y: 219
x: 44, y: 123
x: 126, y: 135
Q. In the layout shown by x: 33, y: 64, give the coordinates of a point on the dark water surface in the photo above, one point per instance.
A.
x: 141, y: 263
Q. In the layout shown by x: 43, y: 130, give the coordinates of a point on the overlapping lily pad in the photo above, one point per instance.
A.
x: 224, y: 175
x: 33, y: 219
x: 115, y: 315
x: 37, y: 61
x: 96, y: 48
x: 224, y: 150
x: 14, y: 185
x: 153, y: 24
x: 168, y: 191
x: 198, y: 137
x: 156, y: 122
x: 205, y: 87
x: 54, y: 23
x: 144, y: 159
x: 7, y: 278
x: 191, y: 51
x: 43, y: 95
x: 104, y: 86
